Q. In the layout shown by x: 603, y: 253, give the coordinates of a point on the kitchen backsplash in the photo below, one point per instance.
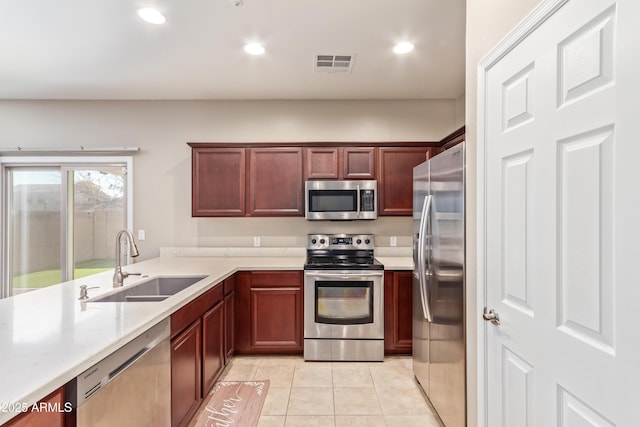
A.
x: 277, y: 246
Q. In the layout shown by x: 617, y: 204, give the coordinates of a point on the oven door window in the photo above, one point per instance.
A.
x: 333, y: 201
x: 344, y: 302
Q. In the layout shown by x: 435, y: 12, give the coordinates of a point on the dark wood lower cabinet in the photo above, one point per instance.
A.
x: 197, y: 352
x: 186, y: 380
x: 398, y: 297
x: 274, y: 318
x: 229, y: 326
x: 269, y: 312
x: 53, y: 416
x: 212, y: 346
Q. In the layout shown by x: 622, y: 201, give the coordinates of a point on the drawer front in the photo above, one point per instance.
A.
x: 276, y: 278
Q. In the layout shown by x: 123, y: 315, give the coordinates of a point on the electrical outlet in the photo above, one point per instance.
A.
x: 141, y: 235
x: 393, y: 241
x: 256, y: 241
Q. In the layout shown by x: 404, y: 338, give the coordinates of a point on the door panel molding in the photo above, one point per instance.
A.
x: 566, y: 92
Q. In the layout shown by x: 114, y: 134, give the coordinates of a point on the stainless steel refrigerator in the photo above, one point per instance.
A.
x: 439, y: 344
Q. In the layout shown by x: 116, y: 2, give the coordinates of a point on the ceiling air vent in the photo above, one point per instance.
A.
x: 334, y: 63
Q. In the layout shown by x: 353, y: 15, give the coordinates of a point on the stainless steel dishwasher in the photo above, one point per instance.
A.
x: 131, y: 387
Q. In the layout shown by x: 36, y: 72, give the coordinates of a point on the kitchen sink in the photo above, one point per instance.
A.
x: 154, y: 289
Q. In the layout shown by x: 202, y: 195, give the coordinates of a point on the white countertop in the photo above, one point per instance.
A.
x: 396, y: 262
x: 48, y: 337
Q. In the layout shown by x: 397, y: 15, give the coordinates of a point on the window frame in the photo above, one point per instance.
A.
x: 64, y: 163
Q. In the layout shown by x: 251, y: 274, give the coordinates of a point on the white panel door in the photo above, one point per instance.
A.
x: 561, y: 160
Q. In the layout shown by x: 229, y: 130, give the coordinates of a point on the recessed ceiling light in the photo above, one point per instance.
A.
x: 151, y: 15
x: 254, y: 49
x: 403, y: 47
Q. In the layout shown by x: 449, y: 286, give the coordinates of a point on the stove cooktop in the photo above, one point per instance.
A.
x: 341, y: 252
x: 359, y: 263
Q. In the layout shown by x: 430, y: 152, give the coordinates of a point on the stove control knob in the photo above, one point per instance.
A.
x: 322, y: 241
x: 358, y: 241
x: 367, y: 241
x: 313, y: 241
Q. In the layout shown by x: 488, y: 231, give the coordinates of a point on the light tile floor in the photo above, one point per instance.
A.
x: 326, y: 394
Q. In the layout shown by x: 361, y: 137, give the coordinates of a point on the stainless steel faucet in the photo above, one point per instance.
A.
x: 119, y: 275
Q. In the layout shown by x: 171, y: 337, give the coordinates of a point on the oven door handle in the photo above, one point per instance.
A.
x: 342, y: 276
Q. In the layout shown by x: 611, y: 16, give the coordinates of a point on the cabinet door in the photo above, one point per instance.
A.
x: 229, y: 326
x: 212, y: 346
x: 398, y: 312
x: 276, y: 318
x: 275, y: 182
x: 185, y: 374
x: 321, y: 163
x: 340, y: 163
x: 269, y: 312
x: 395, y: 174
x: 358, y: 163
x: 218, y: 182
x: 48, y: 417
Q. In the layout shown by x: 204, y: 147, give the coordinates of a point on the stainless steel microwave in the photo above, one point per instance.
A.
x: 341, y: 200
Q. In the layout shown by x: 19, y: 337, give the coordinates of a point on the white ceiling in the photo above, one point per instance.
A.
x: 100, y: 49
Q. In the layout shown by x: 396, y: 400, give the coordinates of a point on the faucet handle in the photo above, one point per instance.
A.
x: 83, y: 292
x: 125, y: 274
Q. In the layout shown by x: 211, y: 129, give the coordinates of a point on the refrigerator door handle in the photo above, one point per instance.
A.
x: 422, y: 258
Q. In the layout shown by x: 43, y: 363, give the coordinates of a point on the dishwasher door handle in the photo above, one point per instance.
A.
x: 114, y: 373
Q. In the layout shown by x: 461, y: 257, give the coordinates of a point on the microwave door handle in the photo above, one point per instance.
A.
x: 358, y: 200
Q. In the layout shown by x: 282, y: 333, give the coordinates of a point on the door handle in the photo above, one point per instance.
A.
x: 423, y: 270
x: 491, y: 316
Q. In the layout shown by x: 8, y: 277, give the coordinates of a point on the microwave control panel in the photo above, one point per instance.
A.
x: 367, y: 201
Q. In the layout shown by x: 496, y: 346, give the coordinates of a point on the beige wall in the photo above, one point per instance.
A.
x: 162, y: 169
x: 460, y: 111
x: 488, y: 22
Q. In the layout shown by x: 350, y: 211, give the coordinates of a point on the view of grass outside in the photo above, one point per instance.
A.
x: 41, y: 279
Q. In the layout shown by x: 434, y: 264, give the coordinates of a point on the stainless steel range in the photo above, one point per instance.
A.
x: 343, y: 299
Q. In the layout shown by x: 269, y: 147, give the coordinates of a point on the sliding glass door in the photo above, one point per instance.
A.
x: 98, y: 207
x: 34, y: 227
x: 60, y: 222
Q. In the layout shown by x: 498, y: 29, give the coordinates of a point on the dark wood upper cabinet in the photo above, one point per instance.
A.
x: 218, y: 182
x: 322, y: 163
x: 340, y: 163
x: 275, y: 182
x: 359, y: 162
x: 395, y: 178
x: 267, y: 179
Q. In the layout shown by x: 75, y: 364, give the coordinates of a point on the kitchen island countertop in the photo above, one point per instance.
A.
x: 48, y: 337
